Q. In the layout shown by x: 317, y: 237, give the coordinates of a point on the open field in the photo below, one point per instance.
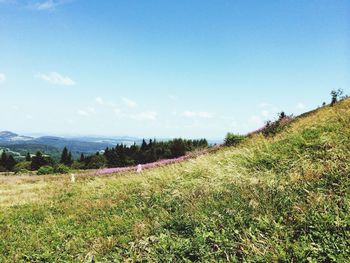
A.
x: 283, y: 198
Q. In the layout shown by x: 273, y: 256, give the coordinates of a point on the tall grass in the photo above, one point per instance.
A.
x: 281, y: 198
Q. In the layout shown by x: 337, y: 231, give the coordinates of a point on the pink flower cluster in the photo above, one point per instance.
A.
x: 164, y: 162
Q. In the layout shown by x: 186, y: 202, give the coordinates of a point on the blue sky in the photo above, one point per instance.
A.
x: 170, y: 68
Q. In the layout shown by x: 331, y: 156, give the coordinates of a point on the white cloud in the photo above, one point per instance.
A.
x: 2, y: 77
x: 103, y: 102
x: 83, y: 113
x: 300, y: 106
x: 145, y: 116
x: 99, y: 100
x: 89, y: 111
x: 47, y: 5
x: 199, y: 114
x: 128, y: 102
x: 56, y: 79
x: 39, y: 5
x: 116, y: 111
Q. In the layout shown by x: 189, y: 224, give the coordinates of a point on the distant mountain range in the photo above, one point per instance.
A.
x: 53, y: 145
x: 6, y: 136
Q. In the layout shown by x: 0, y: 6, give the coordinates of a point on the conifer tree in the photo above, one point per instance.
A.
x: 10, y: 163
x: 3, y: 159
x: 69, y: 159
x: 37, y: 161
x: 82, y: 158
x: 143, y: 145
x: 64, y: 156
x: 28, y: 158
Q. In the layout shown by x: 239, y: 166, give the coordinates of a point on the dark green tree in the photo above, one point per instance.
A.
x: 82, y: 158
x: 95, y: 161
x: 28, y: 158
x: 282, y: 115
x: 69, y: 159
x: 336, y: 95
x: 38, y: 161
x: 11, y: 162
x: 144, y: 145
x: 177, y: 148
x: 64, y: 156
x: 3, y: 159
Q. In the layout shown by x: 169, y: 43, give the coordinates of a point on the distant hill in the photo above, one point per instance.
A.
x: 53, y: 145
x: 10, y: 137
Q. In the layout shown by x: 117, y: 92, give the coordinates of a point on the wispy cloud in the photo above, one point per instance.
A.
x: 15, y: 107
x: 199, y: 114
x: 103, y: 102
x: 145, y: 116
x: 83, y: 113
x: 56, y: 79
x: 47, y: 5
x: 99, y: 100
x: 128, y: 102
x: 38, y: 5
x: 117, y: 111
x: 87, y: 112
x: 2, y: 77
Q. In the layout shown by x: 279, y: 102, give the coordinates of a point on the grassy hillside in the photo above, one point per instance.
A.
x: 284, y: 198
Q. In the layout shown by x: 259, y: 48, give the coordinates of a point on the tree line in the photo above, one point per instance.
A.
x: 122, y: 155
x: 118, y: 156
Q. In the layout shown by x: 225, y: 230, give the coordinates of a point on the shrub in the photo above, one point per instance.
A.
x: 22, y: 167
x: 61, y: 169
x: 336, y: 96
x: 46, y: 170
x: 272, y: 128
x: 77, y: 165
x: 23, y: 171
x: 233, y: 139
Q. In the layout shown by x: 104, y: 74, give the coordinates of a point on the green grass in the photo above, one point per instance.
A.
x: 285, y: 198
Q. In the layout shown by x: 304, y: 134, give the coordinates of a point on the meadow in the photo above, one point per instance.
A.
x: 277, y: 198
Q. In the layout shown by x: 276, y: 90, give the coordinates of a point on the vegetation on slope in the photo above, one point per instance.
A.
x: 285, y: 197
x: 119, y: 156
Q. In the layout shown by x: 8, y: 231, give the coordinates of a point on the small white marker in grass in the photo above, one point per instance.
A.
x: 72, y: 178
x: 139, y: 168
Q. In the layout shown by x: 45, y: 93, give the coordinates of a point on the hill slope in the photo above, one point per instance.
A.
x: 283, y: 198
